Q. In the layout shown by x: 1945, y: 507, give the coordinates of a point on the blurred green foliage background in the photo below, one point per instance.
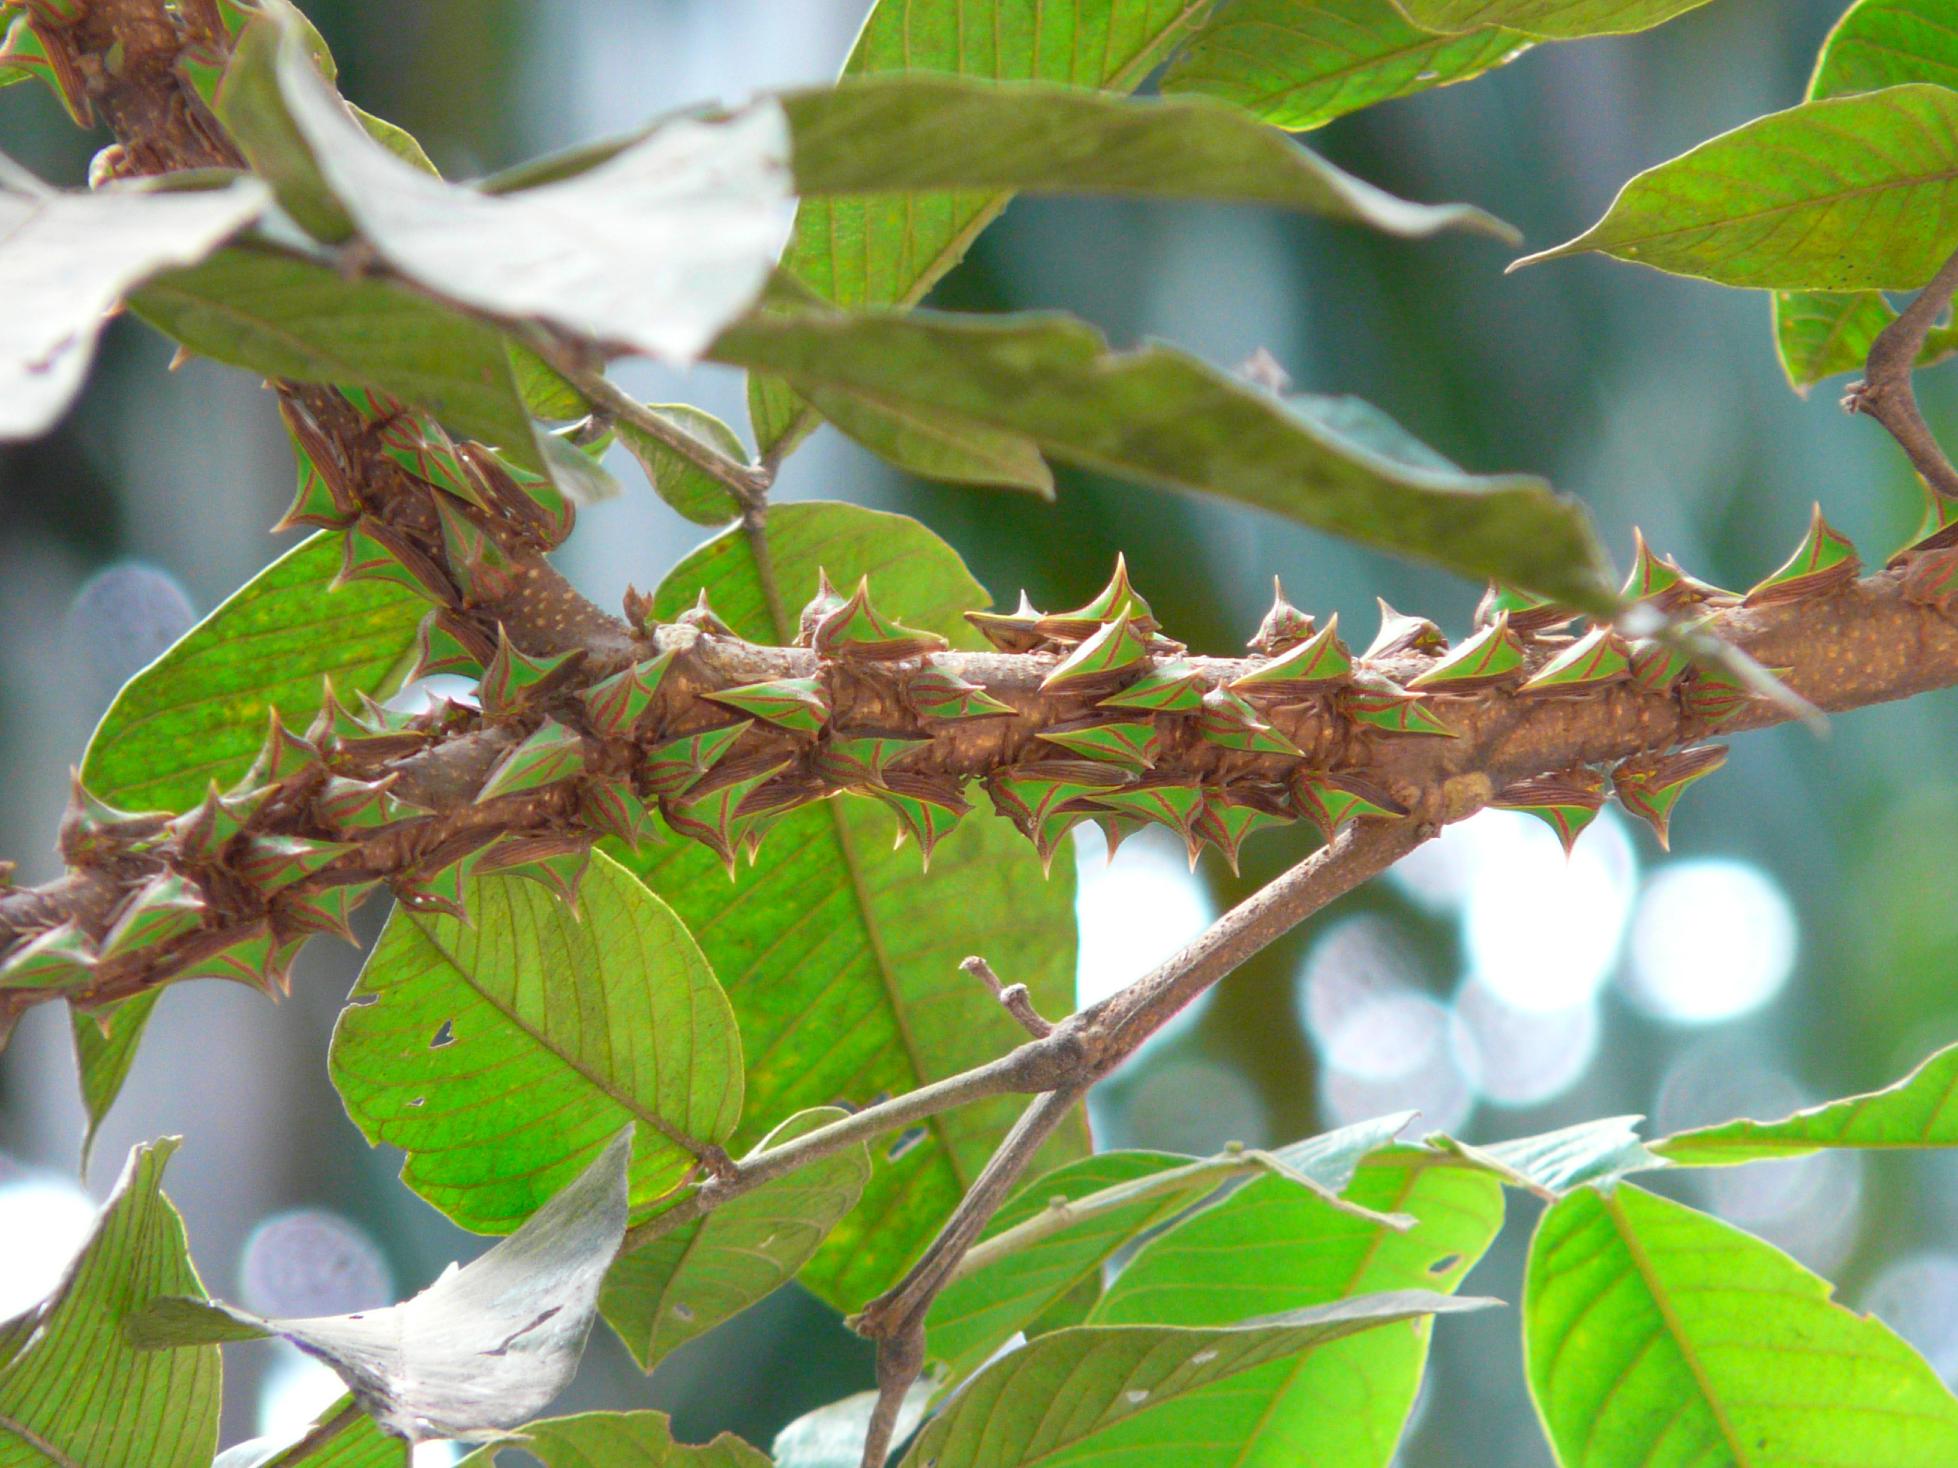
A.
x: 1800, y: 918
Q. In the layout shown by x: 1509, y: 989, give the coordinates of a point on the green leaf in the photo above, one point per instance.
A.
x: 1273, y: 1246
x: 1918, y: 1112
x: 65, y: 259
x: 329, y: 1441
x: 891, y: 249
x: 1555, y: 20
x: 839, y: 954
x: 980, y: 1310
x: 287, y: 316
x: 72, y: 1390
x: 198, y: 713
x: 502, y: 1057
x: 1655, y: 1333
x: 686, y: 1282
x: 696, y: 494
x: 1163, y: 417
x: 1091, y: 1393
x: 919, y: 133
x: 1876, y: 43
x: 478, y: 1351
x: 1849, y: 193
x: 616, y: 1440
x: 934, y: 446
x: 1299, y: 64
x: 105, y: 1047
x: 654, y: 249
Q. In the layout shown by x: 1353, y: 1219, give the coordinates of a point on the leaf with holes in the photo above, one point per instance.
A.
x: 1162, y: 417
x: 65, y: 259
x: 72, y: 1389
x: 839, y: 954
x: 1273, y: 1246
x: 684, y: 1283
x: 1651, y: 1330
x: 1101, y: 1391
x: 1299, y: 64
x: 1919, y: 1112
x: 477, y: 1352
x: 1876, y: 43
x: 615, y: 1440
x: 1850, y: 193
x: 890, y: 249
x: 502, y: 1057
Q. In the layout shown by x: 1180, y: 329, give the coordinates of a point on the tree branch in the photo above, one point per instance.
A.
x: 1886, y: 392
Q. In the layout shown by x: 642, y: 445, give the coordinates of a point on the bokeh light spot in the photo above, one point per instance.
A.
x: 310, y: 1262
x: 44, y: 1220
x: 1712, y: 940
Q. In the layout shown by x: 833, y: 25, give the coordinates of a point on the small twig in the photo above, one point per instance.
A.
x: 1014, y: 998
x: 1886, y: 392
x: 748, y: 483
x: 1108, y: 1033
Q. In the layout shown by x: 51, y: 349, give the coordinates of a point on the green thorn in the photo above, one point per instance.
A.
x: 795, y: 704
x: 1378, y: 703
x: 936, y: 692
x: 1823, y: 561
x: 439, y: 881
x: 615, y: 705
x: 375, y: 552
x: 273, y: 863
x: 1657, y: 665
x: 1493, y: 655
x: 202, y: 832
x: 513, y: 677
x: 1400, y: 633
x: 1228, y: 722
x: 164, y: 908
x: 282, y: 755
x: 1567, y: 802
x: 711, y: 812
x: 304, y: 911
x: 608, y: 803
x: 1118, y: 601
x: 926, y: 807
x: 556, y: 863
x: 1173, y: 805
x: 1659, y: 581
x: 60, y: 958
x: 242, y: 955
x: 1330, y: 800
x: 1598, y: 657
x: 1936, y: 530
x: 1318, y: 662
x: 477, y: 564
x: 856, y: 631
x: 1115, y: 648
x: 819, y: 606
x: 1284, y: 627
x: 1649, y: 786
x: 1018, y: 631
x: 550, y: 753
x: 439, y: 650
x: 1528, y: 613
x: 1173, y: 688
x: 847, y: 760
x: 1227, y: 820
x: 1130, y: 743
x: 361, y: 805
x: 672, y: 768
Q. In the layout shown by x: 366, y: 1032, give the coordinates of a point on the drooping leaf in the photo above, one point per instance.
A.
x: 1093, y: 1392
x: 1918, y: 1112
x: 1547, y: 19
x: 616, y: 1440
x: 66, y: 258
x: 1655, y: 1333
x: 1550, y: 1164
x: 918, y: 133
x: 341, y: 1436
x: 979, y: 1311
x: 690, y: 490
x: 283, y: 315
x: 1849, y: 193
x: 832, y: 1435
x: 891, y: 249
x: 477, y: 1352
x: 654, y: 249
x: 1298, y: 64
x: 839, y: 954
x: 1161, y: 416
x: 685, y: 1282
x: 198, y: 713
x: 1876, y: 43
x: 1273, y: 1246
x: 72, y: 1389
x: 502, y: 1057
x: 934, y: 446
x: 105, y: 1047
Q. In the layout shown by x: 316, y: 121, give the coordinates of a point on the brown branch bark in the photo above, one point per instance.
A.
x: 1886, y: 392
